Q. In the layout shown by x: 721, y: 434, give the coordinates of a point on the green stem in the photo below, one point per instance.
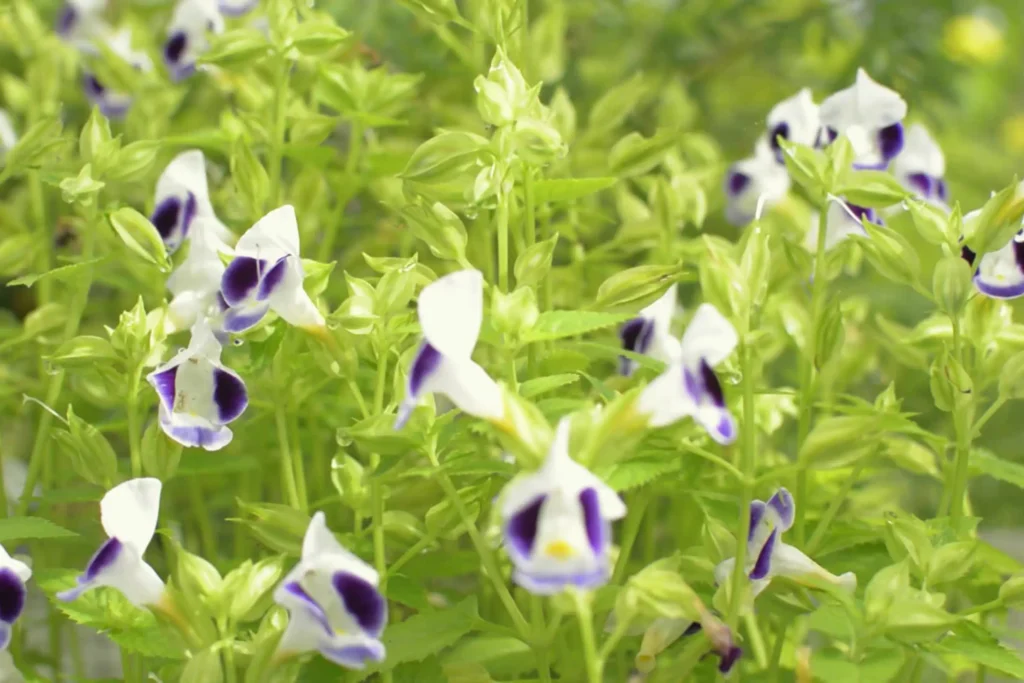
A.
x: 748, y: 468
x: 541, y: 646
x: 134, y: 436
x: 992, y: 410
x: 207, y: 541
x: 776, y: 660
x: 298, y: 463
x: 990, y: 606
x: 807, y: 373
x: 483, y: 550
x: 586, y: 619
x: 837, y: 502
x: 277, y: 140
x: 80, y: 298
x: 409, y: 554
x: 630, y: 531
x: 961, y: 423
x: 502, y: 221
x: 287, y: 473
x: 355, y: 150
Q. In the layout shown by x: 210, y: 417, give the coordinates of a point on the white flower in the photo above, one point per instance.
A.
x: 557, y: 523
x: 79, y: 21
x: 333, y: 603
x: 8, y: 137
x: 754, y: 184
x: 768, y: 556
x: 843, y: 219
x: 450, y: 313
x: 112, y: 103
x: 128, y: 513
x: 921, y: 165
x: 1000, y: 273
x: 266, y: 275
x: 187, y: 33
x: 689, y: 387
x: 650, y: 332
x: 198, y: 395
x: 182, y: 197
x: 794, y: 119
x: 869, y: 115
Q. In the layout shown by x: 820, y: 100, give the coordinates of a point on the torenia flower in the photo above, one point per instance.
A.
x: 689, y: 387
x: 842, y: 220
x: 195, y: 283
x: 753, y: 184
x: 111, y: 103
x: 768, y: 556
x: 128, y: 513
x: 8, y: 136
x: 267, y: 274
x: 187, y: 35
x: 14, y: 574
x: 333, y: 603
x: 921, y: 165
x: 557, y: 523
x: 650, y: 333
x: 79, y: 21
x: 198, y: 395
x: 870, y: 115
x: 183, y: 198
x: 451, y: 311
x: 794, y: 119
x: 999, y: 274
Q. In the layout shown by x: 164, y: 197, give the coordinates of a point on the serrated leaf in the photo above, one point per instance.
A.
x: 560, y: 324
x: 568, y: 189
x: 542, y: 385
x: 987, y: 462
x: 25, y: 528
x: 61, y: 274
x: 427, y: 633
x: 990, y: 654
x: 636, y: 472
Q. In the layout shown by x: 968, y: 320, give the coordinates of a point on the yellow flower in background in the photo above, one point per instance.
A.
x: 973, y: 39
x: 1013, y: 133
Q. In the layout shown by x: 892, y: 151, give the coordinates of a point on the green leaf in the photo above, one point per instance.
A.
x: 874, y: 189
x: 569, y: 189
x: 990, y: 654
x: 427, y: 633
x: 636, y: 472
x: 61, y: 274
x: 542, y: 385
x: 26, y: 528
x: 987, y: 462
x: 635, y: 155
x: 560, y: 324
x: 139, y: 235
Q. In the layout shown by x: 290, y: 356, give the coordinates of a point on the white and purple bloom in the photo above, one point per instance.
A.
x: 198, y: 395
x: 112, y: 103
x: 754, y: 184
x: 842, y: 220
x: 689, y: 387
x: 870, y: 115
x: 650, y: 333
x: 187, y: 36
x: 14, y: 574
x: 921, y: 165
x: 266, y: 275
x: 79, y: 21
x: 768, y: 556
x: 998, y: 274
x: 796, y: 120
x: 333, y: 602
x: 182, y: 198
x: 664, y: 631
x: 451, y: 311
x: 557, y: 523
x: 195, y: 283
x: 128, y: 513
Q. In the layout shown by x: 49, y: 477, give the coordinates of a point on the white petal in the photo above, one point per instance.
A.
x: 320, y: 548
x: 129, y: 512
x: 138, y: 581
x: 723, y: 575
x: 451, y: 311
x: 469, y: 387
x: 204, y: 344
x: 20, y: 569
x: 663, y: 346
x: 665, y: 400
x: 800, y: 114
x: 120, y: 43
x: 273, y: 236
x: 709, y: 337
x: 186, y: 173
x: 794, y: 564
x: 8, y: 138
x: 865, y: 104
x: 841, y: 224
x: 767, y: 182
x: 303, y: 633
x: 290, y: 301
x: 201, y: 271
x: 920, y: 154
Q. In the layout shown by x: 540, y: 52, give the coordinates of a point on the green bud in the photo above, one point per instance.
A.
x: 85, y: 351
x: 1011, y: 593
x: 444, y: 521
x: 998, y: 222
x: 516, y: 313
x: 563, y: 115
x: 195, y: 575
x: 537, y: 142
x: 82, y: 188
x: 34, y: 146
x: 131, y: 336
x: 204, y: 667
x: 840, y: 157
x: 838, y: 434
x: 279, y: 527
x: 635, y: 155
x: 635, y: 286
x: 90, y: 454
x: 502, y: 96
x: 913, y: 619
x: 348, y: 477
x: 906, y: 536
x: 95, y: 144
x: 160, y: 454
x: 755, y: 265
x: 873, y: 189
x: 140, y: 236
x: 829, y: 335
x: 318, y: 36
x: 440, y: 228
x: 886, y: 584
x: 943, y: 393
x: 534, y: 263
x: 132, y: 160
x: 393, y: 293
x: 806, y: 167
x: 930, y: 221
x: 891, y: 254
x: 356, y: 314
x: 448, y: 158
x: 252, y: 596
x: 951, y: 284
x: 950, y: 562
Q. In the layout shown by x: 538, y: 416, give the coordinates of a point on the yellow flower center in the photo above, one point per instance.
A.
x: 560, y: 550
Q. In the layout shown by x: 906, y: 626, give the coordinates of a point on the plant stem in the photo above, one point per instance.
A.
x: 409, y: 554
x: 278, y: 134
x: 962, y: 425
x: 207, y: 541
x: 992, y: 410
x: 502, y: 220
x: 355, y: 150
x: 540, y: 643
x: 586, y: 619
x: 630, y: 531
x: 837, y: 502
x: 773, y: 667
x: 482, y: 549
x: 807, y: 385
x: 134, y: 438
x: 287, y: 473
x: 982, y: 608
x: 748, y: 468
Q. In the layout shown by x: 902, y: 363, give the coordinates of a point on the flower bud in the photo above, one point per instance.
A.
x: 347, y: 475
x: 515, y: 313
x: 502, y: 95
x: 537, y: 142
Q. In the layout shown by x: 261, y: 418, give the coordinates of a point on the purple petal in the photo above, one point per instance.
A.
x: 693, y: 629
x: 163, y: 383
x: 195, y: 436
x: 757, y: 509
x: 712, y: 387
x: 941, y: 189
x: 355, y: 656
x: 636, y: 336
x: 550, y: 585
x: 272, y: 278
x: 165, y: 217
x: 764, y: 558
x: 890, y: 141
x: 311, y: 605
x: 521, y: 528
x: 174, y: 48
x: 779, y: 131
x: 863, y: 214
x: 692, y: 386
x: 105, y: 557
x: 241, y: 279
x: 363, y: 601
x: 784, y: 507
x: 724, y: 431
x: 729, y: 659
x: 241, y: 319
x: 922, y: 183
x: 596, y: 526
x: 66, y: 20
x: 826, y: 136
x: 229, y: 394
x: 12, y: 596
x: 999, y: 291
x: 736, y: 182
x: 967, y: 254
x: 426, y: 363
